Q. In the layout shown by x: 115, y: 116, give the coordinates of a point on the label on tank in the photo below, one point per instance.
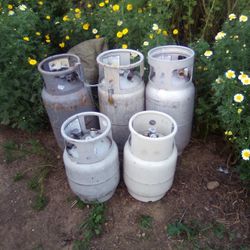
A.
x: 112, y: 61
x: 59, y: 64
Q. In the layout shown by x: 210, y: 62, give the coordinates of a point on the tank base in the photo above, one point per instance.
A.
x: 144, y: 198
x: 101, y: 199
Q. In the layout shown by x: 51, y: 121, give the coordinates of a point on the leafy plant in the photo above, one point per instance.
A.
x: 92, y: 227
x: 181, y: 229
x: 219, y: 230
x: 40, y: 202
x: 145, y: 221
x: 18, y: 176
x: 36, y: 183
x: 80, y: 204
x: 223, y: 84
x: 14, y: 151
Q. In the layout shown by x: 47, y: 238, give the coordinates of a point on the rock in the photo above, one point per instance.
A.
x: 212, y: 185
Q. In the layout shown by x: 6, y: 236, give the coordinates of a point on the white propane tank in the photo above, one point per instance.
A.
x: 170, y: 88
x: 150, y: 155
x: 121, y: 89
x: 90, y: 157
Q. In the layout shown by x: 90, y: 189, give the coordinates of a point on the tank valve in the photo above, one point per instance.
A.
x: 151, y: 132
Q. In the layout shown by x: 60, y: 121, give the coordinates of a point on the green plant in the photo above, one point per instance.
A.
x: 38, y: 29
x: 181, y: 229
x: 145, y: 221
x: 18, y: 176
x: 36, y: 183
x: 14, y: 151
x: 92, y: 227
x: 219, y: 230
x: 80, y: 204
x: 11, y: 151
x: 40, y: 202
x: 224, y: 87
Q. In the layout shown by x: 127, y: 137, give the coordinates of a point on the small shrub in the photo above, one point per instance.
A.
x: 224, y: 71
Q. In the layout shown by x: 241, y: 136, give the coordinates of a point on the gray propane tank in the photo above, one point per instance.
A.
x: 63, y: 93
x: 90, y: 157
x: 121, y: 89
x: 170, y: 88
x: 150, y: 155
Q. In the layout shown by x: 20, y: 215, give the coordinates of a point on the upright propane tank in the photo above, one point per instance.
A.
x: 150, y: 155
x: 170, y: 88
x: 90, y: 157
x: 121, y: 89
x: 64, y: 93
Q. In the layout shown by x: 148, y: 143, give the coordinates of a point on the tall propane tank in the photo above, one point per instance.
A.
x: 170, y: 88
x: 90, y: 157
x: 150, y: 155
x: 121, y: 89
x: 64, y: 93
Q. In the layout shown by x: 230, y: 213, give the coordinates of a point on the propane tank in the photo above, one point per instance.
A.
x: 63, y: 93
x: 170, y: 88
x: 150, y: 155
x: 121, y: 89
x: 90, y: 157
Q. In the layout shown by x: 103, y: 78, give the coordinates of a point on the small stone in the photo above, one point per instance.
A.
x: 143, y: 234
x: 212, y: 185
x: 58, y: 157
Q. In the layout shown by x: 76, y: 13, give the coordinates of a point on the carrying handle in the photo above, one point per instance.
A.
x: 79, y: 72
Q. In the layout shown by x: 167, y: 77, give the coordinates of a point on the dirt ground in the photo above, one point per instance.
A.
x: 222, y: 215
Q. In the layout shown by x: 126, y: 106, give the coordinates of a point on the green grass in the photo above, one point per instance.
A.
x: 80, y: 204
x: 92, y: 227
x: 198, y: 235
x: 145, y: 221
x: 15, y: 151
x: 18, y: 176
x: 40, y: 202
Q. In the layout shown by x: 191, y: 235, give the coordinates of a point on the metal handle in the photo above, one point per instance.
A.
x: 79, y: 72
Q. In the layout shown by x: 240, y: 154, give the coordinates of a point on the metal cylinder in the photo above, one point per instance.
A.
x: 90, y: 157
x: 150, y: 155
x: 170, y: 88
x: 121, y: 89
x: 63, y: 93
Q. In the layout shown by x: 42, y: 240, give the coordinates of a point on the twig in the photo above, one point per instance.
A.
x: 183, y: 214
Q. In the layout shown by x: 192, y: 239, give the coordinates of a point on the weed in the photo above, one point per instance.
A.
x: 36, y: 147
x: 11, y: 151
x: 14, y: 151
x: 145, y: 221
x: 80, y: 204
x: 219, y: 230
x: 92, y: 227
x: 40, y: 202
x: 18, y: 176
x: 36, y: 183
x: 181, y: 229
x: 33, y: 183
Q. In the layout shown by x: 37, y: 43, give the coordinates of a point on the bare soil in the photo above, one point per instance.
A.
x: 57, y: 225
